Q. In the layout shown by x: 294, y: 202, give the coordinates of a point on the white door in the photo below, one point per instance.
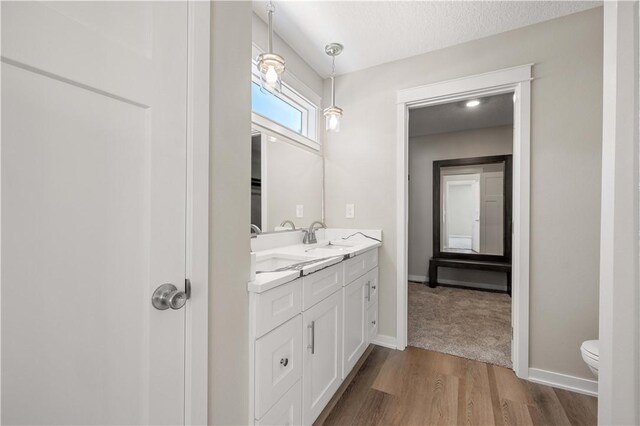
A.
x: 492, y: 215
x: 93, y: 211
x: 354, y: 329
x: 322, y: 359
x: 475, y: 238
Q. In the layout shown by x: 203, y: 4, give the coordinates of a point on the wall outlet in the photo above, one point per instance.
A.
x: 350, y: 211
x: 299, y: 210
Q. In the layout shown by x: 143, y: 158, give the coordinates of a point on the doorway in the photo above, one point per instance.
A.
x: 459, y: 228
x: 513, y: 80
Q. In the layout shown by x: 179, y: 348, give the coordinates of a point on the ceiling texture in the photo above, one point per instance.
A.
x: 493, y: 111
x: 375, y: 32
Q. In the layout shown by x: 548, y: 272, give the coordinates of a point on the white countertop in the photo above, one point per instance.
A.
x: 267, y: 280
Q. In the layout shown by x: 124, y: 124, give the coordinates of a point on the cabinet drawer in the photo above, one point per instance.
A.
x: 357, y: 266
x: 371, y: 286
x: 319, y: 285
x: 277, y: 306
x: 372, y: 322
x: 287, y: 411
x: 278, y: 364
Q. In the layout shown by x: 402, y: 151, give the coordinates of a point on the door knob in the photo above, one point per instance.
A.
x: 168, y: 296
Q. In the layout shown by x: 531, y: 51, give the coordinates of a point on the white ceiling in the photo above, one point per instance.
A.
x: 375, y: 32
x: 493, y: 111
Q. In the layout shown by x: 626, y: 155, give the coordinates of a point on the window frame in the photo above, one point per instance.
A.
x: 304, y: 113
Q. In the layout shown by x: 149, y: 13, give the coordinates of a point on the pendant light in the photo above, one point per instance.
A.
x: 270, y: 65
x: 333, y: 113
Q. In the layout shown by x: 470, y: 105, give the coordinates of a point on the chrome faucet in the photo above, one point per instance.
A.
x: 285, y: 222
x: 310, y: 234
x: 255, y: 229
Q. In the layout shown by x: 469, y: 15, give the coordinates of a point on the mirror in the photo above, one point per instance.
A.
x: 472, y: 207
x: 286, y: 184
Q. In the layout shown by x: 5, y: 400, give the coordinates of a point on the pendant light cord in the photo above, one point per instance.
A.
x: 270, y: 9
x: 333, y: 80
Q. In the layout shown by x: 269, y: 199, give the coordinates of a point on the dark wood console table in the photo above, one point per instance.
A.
x: 483, y: 265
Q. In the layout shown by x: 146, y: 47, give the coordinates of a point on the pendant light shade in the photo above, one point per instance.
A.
x: 333, y: 113
x: 270, y: 65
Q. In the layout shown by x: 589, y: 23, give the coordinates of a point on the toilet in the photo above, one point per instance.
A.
x: 591, y: 355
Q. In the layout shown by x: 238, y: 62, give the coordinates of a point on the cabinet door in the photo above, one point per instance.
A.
x: 371, y: 286
x: 372, y: 322
x: 354, y: 330
x: 322, y: 365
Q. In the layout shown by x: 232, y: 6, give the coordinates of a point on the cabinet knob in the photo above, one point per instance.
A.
x: 373, y: 322
x: 373, y: 287
x: 284, y: 362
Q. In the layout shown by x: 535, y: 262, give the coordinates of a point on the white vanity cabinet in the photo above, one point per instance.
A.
x: 307, y: 335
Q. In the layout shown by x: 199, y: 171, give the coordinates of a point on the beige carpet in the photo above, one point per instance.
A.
x: 466, y: 323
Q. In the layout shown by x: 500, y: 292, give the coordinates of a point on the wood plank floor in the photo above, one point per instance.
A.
x: 421, y: 387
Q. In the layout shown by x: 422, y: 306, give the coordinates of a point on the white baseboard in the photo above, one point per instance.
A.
x: 386, y: 341
x: 484, y: 286
x: 563, y: 381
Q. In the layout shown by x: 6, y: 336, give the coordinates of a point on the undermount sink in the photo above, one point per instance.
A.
x: 326, y: 251
x: 274, y: 261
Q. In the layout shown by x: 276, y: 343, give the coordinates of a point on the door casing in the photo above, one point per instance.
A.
x: 516, y: 80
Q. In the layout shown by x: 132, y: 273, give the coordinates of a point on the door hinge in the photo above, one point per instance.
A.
x: 187, y: 287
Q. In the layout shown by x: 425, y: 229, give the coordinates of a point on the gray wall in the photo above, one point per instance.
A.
x: 566, y: 128
x: 229, y: 212
x: 423, y: 150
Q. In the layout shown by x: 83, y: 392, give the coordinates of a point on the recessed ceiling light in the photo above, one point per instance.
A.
x: 472, y: 103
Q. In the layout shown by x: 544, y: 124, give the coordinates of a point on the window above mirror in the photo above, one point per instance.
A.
x: 275, y: 109
x: 286, y: 112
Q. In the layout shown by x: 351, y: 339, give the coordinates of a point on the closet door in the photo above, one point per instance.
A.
x: 94, y: 144
x: 322, y: 369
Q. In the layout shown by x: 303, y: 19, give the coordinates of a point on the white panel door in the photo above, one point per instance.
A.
x: 492, y: 213
x: 354, y: 329
x: 322, y: 359
x: 475, y: 237
x: 93, y: 211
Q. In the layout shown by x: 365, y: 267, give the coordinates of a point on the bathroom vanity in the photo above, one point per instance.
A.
x: 313, y: 312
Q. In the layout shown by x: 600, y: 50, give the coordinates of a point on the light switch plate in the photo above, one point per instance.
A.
x: 299, y: 210
x: 350, y: 211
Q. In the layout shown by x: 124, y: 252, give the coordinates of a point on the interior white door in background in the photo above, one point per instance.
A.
x: 475, y: 238
x: 492, y: 213
x: 93, y: 211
